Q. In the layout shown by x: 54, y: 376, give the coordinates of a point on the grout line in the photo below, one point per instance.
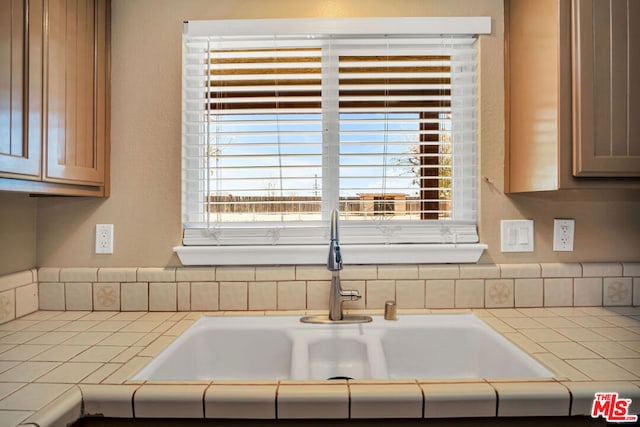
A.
x: 497, y: 398
x: 424, y: 400
x: 276, y: 399
x: 204, y: 393
x: 133, y: 406
x: 348, y: 400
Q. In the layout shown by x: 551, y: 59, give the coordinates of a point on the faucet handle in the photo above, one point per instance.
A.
x: 351, y: 294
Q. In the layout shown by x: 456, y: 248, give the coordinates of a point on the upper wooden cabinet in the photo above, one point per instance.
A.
x: 557, y: 133
x: 75, y: 91
x: 64, y: 78
x: 20, y: 109
x: 606, y: 88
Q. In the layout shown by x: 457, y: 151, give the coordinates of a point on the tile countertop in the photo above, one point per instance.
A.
x: 56, y: 367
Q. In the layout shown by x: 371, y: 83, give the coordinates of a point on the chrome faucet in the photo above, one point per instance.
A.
x: 337, y: 295
x: 334, y: 265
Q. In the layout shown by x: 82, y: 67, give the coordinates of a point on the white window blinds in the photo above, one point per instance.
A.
x: 255, y: 137
x: 278, y: 130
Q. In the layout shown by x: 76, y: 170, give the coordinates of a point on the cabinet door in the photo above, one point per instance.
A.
x: 20, y: 105
x: 75, y: 91
x: 606, y: 92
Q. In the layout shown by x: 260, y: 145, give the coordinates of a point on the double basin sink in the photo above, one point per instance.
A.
x: 433, y: 346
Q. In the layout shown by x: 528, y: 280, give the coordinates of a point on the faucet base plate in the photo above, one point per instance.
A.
x: 346, y: 319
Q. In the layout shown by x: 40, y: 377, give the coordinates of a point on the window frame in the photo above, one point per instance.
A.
x: 275, y: 243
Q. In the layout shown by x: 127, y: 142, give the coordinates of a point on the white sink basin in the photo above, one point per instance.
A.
x: 453, y: 346
x: 209, y: 350
x: 464, y: 348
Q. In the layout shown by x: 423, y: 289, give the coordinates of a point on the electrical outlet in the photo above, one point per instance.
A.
x: 563, y: 230
x: 104, y: 238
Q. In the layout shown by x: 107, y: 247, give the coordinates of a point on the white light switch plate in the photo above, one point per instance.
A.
x: 516, y: 235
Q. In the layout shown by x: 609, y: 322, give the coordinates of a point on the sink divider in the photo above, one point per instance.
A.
x: 377, y: 359
x: 299, y: 358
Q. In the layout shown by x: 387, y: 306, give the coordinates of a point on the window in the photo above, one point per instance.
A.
x: 279, y: 129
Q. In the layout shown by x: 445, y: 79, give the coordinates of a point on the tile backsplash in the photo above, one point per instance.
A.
x: 307, y: 287
x: 18, y: 294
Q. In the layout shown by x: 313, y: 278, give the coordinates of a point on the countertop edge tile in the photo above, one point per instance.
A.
x: 470, y: 399
x: 62, y: 411
x: 517, y: 399
x: 241, y: 401
x: 386, y: 400
x: 328, y: 401
x: 169, y: 401
x: 108, y: 400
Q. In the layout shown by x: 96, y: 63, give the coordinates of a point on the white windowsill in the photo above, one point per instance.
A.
x: 317, y: 254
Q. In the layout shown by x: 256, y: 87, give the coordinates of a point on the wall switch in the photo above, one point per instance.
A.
x: 516, y: 235
x: 104, y: 238
x: 563, y: 230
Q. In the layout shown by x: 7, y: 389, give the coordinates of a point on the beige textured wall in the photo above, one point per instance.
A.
x: 17, y: 232
x: 145, y: 201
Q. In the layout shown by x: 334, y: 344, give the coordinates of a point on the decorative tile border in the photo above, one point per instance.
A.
x: 306, y: 287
